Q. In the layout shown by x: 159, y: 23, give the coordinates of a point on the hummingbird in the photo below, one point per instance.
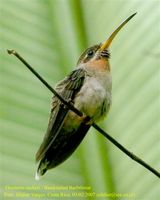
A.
x: 89, y: 89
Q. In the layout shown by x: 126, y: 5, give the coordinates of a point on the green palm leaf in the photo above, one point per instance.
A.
x: 51, y: 34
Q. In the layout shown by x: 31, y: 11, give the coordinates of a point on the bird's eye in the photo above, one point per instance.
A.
x: 90, y: 53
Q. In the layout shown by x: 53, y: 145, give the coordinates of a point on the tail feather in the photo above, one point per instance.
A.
x: 42, y: 168
x: 37, y: 176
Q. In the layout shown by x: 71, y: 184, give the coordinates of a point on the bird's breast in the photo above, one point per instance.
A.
x: 94, y: 98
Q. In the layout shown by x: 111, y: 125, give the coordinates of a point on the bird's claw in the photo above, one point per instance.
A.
x: 87, y: 120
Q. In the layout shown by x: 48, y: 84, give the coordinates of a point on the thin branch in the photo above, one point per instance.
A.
x: 45, y: 83
x: 126, y: 151
x: 71, y: 107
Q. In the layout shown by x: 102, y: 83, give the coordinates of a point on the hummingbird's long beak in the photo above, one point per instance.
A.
x: 107, y: 43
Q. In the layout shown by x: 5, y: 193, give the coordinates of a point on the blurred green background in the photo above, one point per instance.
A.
x: 50, y: 35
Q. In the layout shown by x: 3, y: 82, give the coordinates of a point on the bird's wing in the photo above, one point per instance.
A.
x: 67, y: 88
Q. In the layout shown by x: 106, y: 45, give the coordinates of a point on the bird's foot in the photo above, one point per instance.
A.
x: 84, y: 118
x: 87, y: 120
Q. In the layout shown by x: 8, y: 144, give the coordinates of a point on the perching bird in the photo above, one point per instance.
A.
x: 88, y: 88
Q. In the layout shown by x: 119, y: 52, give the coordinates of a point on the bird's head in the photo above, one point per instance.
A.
x: 97, y: 56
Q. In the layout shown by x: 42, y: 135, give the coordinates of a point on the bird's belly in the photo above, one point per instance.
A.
x: 93, y: 100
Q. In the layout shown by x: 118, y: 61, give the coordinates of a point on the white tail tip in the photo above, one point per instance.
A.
x: 37, y: 176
